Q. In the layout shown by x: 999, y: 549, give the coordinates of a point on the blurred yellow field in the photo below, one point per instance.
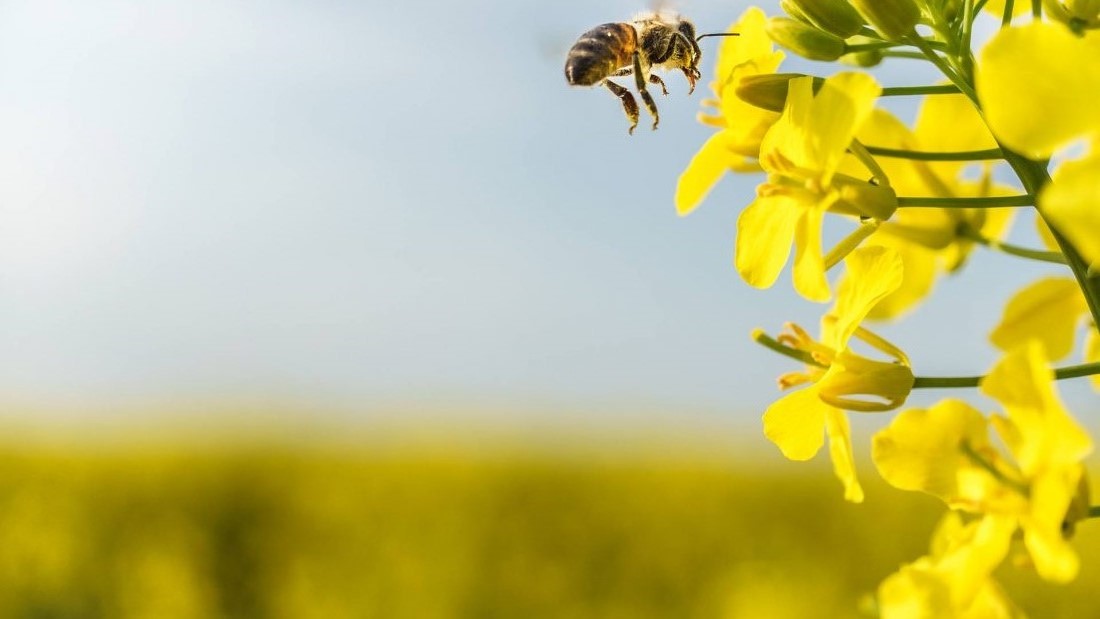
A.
x: 141, y: 531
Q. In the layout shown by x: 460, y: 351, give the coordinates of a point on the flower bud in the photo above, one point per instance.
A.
x: 951, y: 9
x: 804, y: 40
x: 893, y: 19
x: 768, y: 91
x: 864, y: 59
x: 865, y: 385
x: 1077, y: 14
x: 862, y: 198
x: 833, y: 16
x: 792, y: 9
x: 1085, y: 10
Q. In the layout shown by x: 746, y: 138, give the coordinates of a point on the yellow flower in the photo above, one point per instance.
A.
x: 736, y: 147
x: 931, y: 241
x: 801, y: 154
x: 953, y: 581
x: 945, y: 451
x: 1049, y: 310
x: 1048, y: 446
x: 841, y: 379
x: 1025, y: 73
x: 941, y: 451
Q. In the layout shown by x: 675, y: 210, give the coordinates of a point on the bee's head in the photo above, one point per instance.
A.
x: 687, y: 29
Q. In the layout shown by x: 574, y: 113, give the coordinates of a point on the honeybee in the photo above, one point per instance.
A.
x: 651, y: 40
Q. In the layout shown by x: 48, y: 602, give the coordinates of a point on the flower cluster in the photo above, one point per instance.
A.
x: 918, y: 201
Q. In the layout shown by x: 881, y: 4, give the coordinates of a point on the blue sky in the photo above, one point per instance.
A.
x: 376, y: 205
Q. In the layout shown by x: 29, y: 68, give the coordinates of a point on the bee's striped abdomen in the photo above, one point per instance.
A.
x: 599, y: 53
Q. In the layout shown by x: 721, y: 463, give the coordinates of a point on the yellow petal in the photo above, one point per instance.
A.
x: 787, y: 141
x: 951, y: 123
x: 837, y: 113
x: 1045, y: 435
x: 753, y: 42
x: 747, y: 124
x: 1072, y: 204
x: 751, y: 53
x: 1039, y: 71
x: 1051, y: 494
x: 840, y: 451
x: 976, y: 550
x: 920, y: 450
x: 765, y: 231
x: 955, y: 580
x: 919, y: 267
x: 872, y: 274
x: 809, y: 264
x: 796, y: 423
x: 916, y: 591
x: 1048, y: 310
x: 708, y: 165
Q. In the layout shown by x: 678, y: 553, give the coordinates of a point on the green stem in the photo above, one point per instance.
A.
x: 1052, y: 257
x: 1094, y: 511
x: 962, y: 155
x: 1033, y: 175
x: 903, y: 54
x: 869, y: 47
x: 966, y: 58
x: 984, y: 202
x: 906, y: 91
x: 767, y: 341
x: 1006, y: 17
x: 1037, y: 9
x: 955, y: 382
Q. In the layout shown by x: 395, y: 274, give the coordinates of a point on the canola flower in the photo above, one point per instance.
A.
x: 736, y: 146
x: 918, y: 203
x: 838, y: 378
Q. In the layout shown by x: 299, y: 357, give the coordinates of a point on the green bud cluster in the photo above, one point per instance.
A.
x: 805, y: 40
x: 825, y: 29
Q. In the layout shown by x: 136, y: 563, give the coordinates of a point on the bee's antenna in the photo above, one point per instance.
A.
x: 717, y: 34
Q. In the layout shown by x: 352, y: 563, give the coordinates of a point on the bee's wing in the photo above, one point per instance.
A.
x: 554, y: 46
x: 670, y: 8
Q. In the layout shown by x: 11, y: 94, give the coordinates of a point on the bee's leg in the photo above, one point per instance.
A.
x: 622, y: 72
x: 692, y: 75
x: 630, y: 106
x: 656, y: 79
x: 639, y: 81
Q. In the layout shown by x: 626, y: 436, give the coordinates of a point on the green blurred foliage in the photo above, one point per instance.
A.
x: 298, y: 533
